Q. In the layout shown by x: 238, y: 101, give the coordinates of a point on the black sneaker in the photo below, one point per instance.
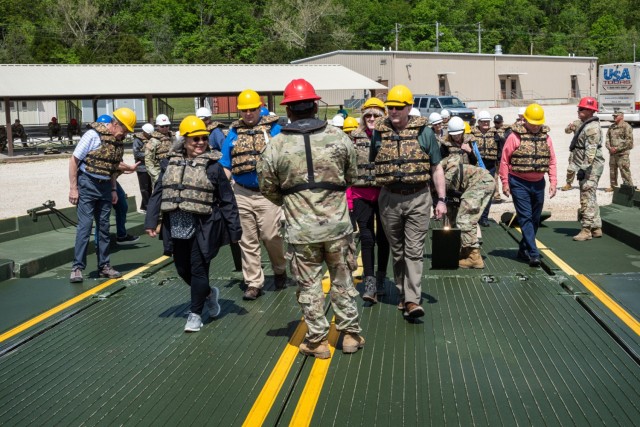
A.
x: 534, y: 262
x: 127, y: 240
x: 484, y: 223
x: 523, y: 255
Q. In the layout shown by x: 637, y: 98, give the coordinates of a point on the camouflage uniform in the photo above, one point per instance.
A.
x: 155, y: 150
x: 571, y: 171
x: 476, y: 185
x: 587, y: 157
x: 317, y: 225
x: 620, y: 137
x: 55, y: 130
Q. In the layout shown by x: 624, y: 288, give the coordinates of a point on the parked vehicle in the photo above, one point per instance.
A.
x: 619, y: 90
x: 428, y: 104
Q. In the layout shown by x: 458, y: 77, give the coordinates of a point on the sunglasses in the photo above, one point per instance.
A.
x: 249, y: 110
x: 582, y: 109
x: 392, y: 107
x: 197, y: 139
x: 164, y: 126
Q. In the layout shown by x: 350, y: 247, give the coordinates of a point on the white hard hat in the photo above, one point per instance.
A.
x: 162, y: 120
x: 338, y: 120
x: 435, y: 118
x: 484, y: 115
x: 456, y: 126
x: 203, y: 113
x: 414, y: 112
x: 445, y: 114
x: 521, y: 110
x: 147, y: 128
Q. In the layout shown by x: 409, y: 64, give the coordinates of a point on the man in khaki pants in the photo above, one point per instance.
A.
x: 260, y: 218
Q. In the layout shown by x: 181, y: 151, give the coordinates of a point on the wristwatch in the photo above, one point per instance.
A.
x: 442, y: 199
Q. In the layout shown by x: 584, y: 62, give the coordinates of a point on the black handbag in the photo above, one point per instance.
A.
x: 445, y: 246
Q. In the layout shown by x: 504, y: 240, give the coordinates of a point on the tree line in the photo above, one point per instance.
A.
x: 279, y: 31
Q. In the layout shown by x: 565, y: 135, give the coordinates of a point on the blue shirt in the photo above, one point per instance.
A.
x: 216, y: 139
x: 249, y: 179
x: 90, y: 141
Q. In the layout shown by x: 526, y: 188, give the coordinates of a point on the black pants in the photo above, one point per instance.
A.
x: 367, y: 215
x: 144, y: 180
x: 193, y: 269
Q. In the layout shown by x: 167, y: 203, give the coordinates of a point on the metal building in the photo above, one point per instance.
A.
x: 481, y: 80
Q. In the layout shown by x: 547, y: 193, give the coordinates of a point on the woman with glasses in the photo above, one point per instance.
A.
x: 362, y: 198
x: 199, y: 214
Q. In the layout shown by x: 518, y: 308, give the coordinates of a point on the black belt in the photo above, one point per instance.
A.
x: 406, y: 191
x: 255, y: 190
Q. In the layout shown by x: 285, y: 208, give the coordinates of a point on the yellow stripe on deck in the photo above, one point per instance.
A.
x: 57, y: 309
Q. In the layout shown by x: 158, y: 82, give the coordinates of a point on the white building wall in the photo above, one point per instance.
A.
x: 31, y: 112
x: 475, y: 78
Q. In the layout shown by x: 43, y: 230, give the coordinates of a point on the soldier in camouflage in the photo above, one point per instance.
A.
x: 158, y: 147
x: 526, y: 157
x: 306, y: 170
x: 469, y: 188
x: 490, y: 150
x: 588, y: 162
x: 619, y: 143
x: 55, y: 130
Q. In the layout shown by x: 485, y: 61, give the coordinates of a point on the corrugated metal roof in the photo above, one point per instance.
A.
x: 114, y: 81
x: 440, y: 54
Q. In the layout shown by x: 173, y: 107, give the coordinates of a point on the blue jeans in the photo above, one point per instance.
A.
x: 94, y: 203
x: 485, y: 213
x: 528, y: 199
x: 121, y: 208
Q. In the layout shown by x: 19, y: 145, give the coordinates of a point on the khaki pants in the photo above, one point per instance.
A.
x: 405, y: 219
x: 260, y: 220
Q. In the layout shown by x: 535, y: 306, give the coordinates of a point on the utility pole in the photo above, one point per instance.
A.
x: 479, y: 38
x: 438, y: 34
x: 634, y: 52
x: 397, y: 32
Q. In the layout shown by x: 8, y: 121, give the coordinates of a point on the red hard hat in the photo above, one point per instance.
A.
x: 53, y: 119
x: 299, y: 90
x: 589, y: 103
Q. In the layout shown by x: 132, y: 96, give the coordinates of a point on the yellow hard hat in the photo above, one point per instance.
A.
x: 399, y: 96
x: 372, y: 103
x: 534, y: 114
x: 193, y: 126
x: 467, y: 127
x: 350, y: 124
x: 127, y: 117
x: 248, y: 100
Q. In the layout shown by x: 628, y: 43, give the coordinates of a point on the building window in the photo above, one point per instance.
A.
x: 442, y: 85
x: 514, y: 89
x: 575, y: 93
x: 12, y: 105
x: 503, y: 89
x: 24, y: 105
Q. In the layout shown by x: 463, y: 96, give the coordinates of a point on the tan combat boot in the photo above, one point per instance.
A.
x: 319, y: 350
x: 596, y: 232
x: 473, y: 259
x: 566, y: 187
x: 584, y: 234
x: 352, y: 343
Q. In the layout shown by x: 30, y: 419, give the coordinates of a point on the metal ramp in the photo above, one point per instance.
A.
x: 503, y: 346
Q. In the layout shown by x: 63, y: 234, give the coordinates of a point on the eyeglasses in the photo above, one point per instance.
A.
x: 393, y: 107
x: 198, y: 139
x: 249, y: 110
x: 163, y: 126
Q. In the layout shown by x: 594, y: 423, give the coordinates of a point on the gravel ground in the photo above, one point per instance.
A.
x: 29, y: 184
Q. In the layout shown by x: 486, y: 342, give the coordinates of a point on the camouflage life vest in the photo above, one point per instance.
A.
x: 400, y: 158
x: 166, y: 142
x: 366, y: 169
x: 105, y: 159
x: 487, y: 145
x: 533, y: 154
x: 250, y: 144
x: 453, y: 149
x: 214, y: 125
x: 186, y: 186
